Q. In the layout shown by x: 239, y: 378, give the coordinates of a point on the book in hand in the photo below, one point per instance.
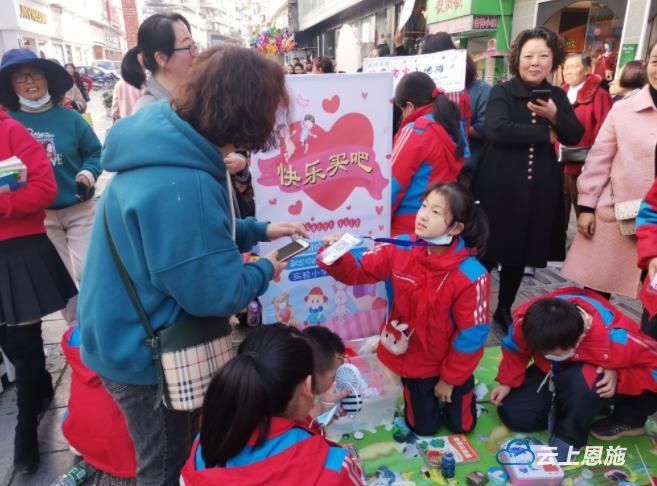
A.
x: 13, y: 174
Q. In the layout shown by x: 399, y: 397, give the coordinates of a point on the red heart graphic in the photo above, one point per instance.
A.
x: 389, y: 156
x: 348, y: 208
x: 272, y: 202
x: 331, y: 105
x: 354, y: 127
x: 381, y: 227
x: 379, y: 210
x: 295, y: 208
x: 364, y: 95
x: 392, y: 101
x: 370, y: 233
x: 312, y: 219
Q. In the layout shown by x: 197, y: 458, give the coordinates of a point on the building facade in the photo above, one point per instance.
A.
x: 77, y: 31
x: 621, y: 28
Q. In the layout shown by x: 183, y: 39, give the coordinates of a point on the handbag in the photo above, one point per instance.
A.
x: 570, y: 155
x: 187, y: 354
x: 626, y: 213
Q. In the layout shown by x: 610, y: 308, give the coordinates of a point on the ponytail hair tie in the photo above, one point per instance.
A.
x: 436, y: 92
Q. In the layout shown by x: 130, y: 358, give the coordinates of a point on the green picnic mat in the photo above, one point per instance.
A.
x: 385, y: 457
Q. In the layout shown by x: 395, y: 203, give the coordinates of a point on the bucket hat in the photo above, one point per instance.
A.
x: 59, y: 81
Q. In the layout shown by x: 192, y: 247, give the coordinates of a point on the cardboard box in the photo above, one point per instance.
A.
x: 531, y: 467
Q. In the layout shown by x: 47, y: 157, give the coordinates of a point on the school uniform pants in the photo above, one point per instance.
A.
x: 69, y: 229
x: 425, y: 415
x: 576, y: 403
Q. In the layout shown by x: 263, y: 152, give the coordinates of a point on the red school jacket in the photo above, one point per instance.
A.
x: 591, y: 108
x: 291, y: 455
x: 423, y: 154
x: 22, y: 212
x: 442, y: 298
x: 646, y: 232
x: 94, y: 424
x: 613, y: 341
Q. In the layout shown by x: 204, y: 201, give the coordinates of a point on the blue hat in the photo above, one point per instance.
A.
x: 59, y: 81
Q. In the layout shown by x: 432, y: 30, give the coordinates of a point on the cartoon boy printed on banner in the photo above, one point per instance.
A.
x: 315, y: 302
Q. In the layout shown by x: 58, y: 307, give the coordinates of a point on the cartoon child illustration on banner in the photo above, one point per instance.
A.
x: 331, y: 171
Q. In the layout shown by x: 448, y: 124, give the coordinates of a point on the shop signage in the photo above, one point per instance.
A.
x: 33, y: 14
x: 439, y: 10
x: 331, y: 171
x: 484, y: 22
x: 446, y: 68
x: 627, y: 54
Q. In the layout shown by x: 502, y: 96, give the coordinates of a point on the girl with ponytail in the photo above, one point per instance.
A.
x: 438, y: 325
x: 428, y: 148
x: 252, y: 432
x: 165, y: 49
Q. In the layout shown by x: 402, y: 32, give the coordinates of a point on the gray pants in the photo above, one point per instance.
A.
x: 162, y: 437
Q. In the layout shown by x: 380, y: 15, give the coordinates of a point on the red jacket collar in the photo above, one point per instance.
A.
x: 449, y: 260
x: 587, y: 92
x: 278, y: 426
x: 417, y: 113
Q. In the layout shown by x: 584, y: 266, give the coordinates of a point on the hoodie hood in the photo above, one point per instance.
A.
x: 156, y: 136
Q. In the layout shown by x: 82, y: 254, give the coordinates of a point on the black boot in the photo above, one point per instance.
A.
x: 33, y: 390
x: 26, y: 445
x: 502, y: 317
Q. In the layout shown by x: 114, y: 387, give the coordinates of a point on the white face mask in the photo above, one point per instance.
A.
x: 565, y: 357
x: 35, y: 104
x: 444, y: 240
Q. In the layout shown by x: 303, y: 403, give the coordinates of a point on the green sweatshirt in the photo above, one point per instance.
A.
x: 71, y: 146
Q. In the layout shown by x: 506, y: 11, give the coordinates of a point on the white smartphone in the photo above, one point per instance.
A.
x: 292, y: 249
x: 334, y: 252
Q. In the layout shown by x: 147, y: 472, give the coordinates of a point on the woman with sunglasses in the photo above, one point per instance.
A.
x: 165, y: 49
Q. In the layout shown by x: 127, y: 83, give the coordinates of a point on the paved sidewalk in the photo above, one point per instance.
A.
x: 56, y: 459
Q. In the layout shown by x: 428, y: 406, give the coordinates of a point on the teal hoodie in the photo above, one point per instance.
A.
x: 169, y: 214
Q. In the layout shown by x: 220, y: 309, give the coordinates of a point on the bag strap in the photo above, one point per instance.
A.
x: 127, y: 281
x: 153, y: 341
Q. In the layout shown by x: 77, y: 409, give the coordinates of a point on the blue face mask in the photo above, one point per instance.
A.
x: 35, y: 104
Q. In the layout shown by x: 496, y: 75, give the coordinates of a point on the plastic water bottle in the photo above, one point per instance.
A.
x: 76, y: 476
x: 448, y: 466
x: 253, y: 314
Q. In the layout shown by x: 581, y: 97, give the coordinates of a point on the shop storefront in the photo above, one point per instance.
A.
x: 480, y: 26
x: 48, y: 30
x: 613, y: 32
x: 373, y: 22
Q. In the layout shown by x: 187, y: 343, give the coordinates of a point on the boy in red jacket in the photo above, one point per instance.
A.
x: 584, y: 352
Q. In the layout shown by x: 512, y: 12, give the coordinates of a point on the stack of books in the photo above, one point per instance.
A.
x: 13, y: 174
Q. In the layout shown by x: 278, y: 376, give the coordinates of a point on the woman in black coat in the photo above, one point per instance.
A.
x: 519, y: 181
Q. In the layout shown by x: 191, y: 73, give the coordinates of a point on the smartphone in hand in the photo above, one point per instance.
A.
x: 292, y: 249
x: 541, y: 94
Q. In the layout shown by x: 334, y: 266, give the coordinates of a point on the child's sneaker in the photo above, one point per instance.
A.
x: 608, y: 429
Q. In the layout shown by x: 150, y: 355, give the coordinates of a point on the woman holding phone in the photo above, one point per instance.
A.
x: 519, y: 181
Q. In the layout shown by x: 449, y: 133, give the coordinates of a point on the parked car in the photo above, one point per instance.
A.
x: 105, y: 64
x: 101, y: 78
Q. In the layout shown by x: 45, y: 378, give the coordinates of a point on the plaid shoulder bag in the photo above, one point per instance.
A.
x: 187, y: 354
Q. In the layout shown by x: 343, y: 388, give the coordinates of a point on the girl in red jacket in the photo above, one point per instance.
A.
x: 428, y: 147
x: 252, y: 432
x: 438, y: 324
x: 33, y: 283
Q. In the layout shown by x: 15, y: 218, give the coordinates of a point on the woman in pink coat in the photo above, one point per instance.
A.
x: 620, y: 167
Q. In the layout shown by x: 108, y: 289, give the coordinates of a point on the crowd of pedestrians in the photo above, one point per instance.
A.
x: 483, y: 180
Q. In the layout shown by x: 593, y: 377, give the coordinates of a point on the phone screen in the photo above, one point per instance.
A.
x: 540, y: 94
x: 291, y: 249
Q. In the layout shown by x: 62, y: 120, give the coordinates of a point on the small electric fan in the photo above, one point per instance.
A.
x: 348, y: 377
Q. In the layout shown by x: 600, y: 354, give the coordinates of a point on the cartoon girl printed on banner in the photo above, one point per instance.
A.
x: 307, y: 126
x: 315, y: 302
